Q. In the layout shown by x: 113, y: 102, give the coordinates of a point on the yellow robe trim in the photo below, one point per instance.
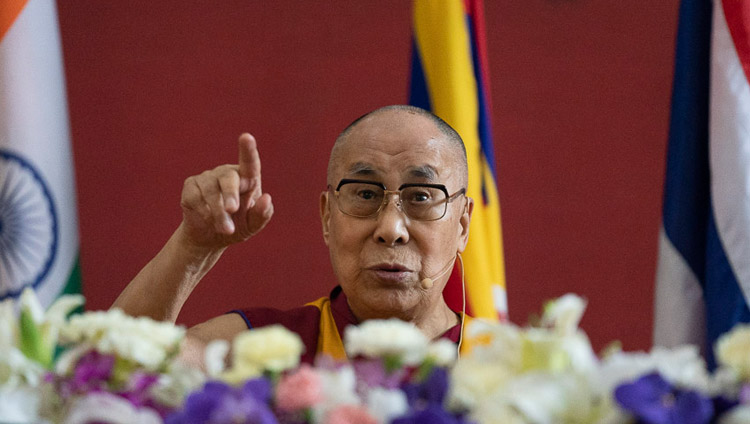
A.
x: 329, y: 339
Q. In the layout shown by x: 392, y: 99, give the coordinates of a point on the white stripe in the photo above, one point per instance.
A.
x: 729, y: 149
x: 34, y: 121
x: 679, y: 313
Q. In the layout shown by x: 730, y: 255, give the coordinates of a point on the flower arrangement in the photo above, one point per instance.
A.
x: 106, y: 367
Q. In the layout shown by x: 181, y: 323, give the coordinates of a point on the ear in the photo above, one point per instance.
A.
x: 325, y: 215
x: 464, y: 222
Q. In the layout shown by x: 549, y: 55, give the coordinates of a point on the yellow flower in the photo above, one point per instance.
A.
x: 733, y: 351
x: 272, y: 348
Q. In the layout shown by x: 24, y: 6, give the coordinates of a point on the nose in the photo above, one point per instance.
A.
x: 391, y: 226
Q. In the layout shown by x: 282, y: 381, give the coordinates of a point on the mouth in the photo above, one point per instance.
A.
x: 391, y: 273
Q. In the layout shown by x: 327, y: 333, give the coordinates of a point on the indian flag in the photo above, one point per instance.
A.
x: 38, y: 223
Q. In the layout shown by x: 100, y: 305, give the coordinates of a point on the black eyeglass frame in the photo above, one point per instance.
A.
x: 448, y: 197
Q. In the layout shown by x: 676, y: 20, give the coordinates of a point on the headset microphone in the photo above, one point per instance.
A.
x: 428, y: 282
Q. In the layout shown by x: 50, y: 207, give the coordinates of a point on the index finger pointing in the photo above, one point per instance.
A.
x: 249, y: 160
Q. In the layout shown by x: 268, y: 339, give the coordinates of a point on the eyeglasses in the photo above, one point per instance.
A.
x: 422, y: 202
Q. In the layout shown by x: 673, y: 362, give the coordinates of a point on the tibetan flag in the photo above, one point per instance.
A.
x: 38, y: 223
x: 449, y: 77
x: 703, y: 274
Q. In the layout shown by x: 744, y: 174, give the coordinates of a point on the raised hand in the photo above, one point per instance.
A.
x: 226, y: 205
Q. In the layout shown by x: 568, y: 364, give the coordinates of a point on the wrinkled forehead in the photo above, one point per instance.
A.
x: 400, y: 149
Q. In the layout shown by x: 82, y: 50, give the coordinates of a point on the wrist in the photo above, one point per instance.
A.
x: 197, y: 257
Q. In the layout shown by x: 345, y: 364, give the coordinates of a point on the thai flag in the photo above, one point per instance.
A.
x: 703, y: 275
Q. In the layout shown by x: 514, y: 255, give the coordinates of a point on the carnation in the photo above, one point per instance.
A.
x: 338, y: 386
x: 732, y: 351
x: 386, y: 338
x: 109, y: 408
x: 386, y: 404
x: 299, y: 390
x: 349, y: 414
x: 272, y: 348
x: 142, y: 340
x: 681, y: 366
x: 442, y: 352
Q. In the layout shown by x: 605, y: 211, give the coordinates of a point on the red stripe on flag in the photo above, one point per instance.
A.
x: 476, y: 14
x: 737, y: 14
x: 9, y: 11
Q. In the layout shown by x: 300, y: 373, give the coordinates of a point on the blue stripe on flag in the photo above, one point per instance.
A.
x: 725, y: 302
x: 418, y: 94
x: 484, y: 127
x: 686, y: 189
x: 687, y: 216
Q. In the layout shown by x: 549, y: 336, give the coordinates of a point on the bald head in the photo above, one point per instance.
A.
x: 389, y: 118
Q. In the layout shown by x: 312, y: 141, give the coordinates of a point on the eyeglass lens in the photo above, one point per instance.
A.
x: 417, y: 202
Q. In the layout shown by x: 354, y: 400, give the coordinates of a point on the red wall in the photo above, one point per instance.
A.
x: 160, y: 90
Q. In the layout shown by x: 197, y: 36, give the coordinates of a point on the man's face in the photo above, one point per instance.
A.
x: 380, y: 261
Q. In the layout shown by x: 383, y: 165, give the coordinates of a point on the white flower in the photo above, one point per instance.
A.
x: 550, y: 398
x: 272, y: 348
x: 176, y: 384
x: 111, y: 409
x: 385, y: 404
x: 732, y: 351
x: 737, y: 415
x: 564, y: 313
x: 443, y: 352
x: 497, y: 413
x: 142, y: 340
x: 338, y: 387
x: 495, y: 342
x: 19, y: 405
x: 681, y: 366
x: 8, y: 324
x: 35, y: 333
x: 381, y: 338
x: 215, y: 356
x: 473, y: 381
x: 16, y: 370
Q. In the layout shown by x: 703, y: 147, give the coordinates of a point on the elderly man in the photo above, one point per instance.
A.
x: 394, y: 218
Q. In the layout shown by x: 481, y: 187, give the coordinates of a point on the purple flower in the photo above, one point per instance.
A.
x: 430, y: 391
x: 220, y: 403
x: 91, y: 373
x: 434, y: 414
x: 654, y: 401
x: 138, y: 392
x: 373, y: 373
x: 744, y: 396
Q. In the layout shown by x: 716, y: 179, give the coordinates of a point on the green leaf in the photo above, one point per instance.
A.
x: 32, y: 342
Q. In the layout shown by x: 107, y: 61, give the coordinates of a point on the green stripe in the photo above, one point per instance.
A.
x: 74, y: 285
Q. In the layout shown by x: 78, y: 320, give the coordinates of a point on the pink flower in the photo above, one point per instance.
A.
x: 350, y: 414
x: 298, y: 390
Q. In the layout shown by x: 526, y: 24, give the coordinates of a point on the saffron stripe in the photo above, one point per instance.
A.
x: 9, y: 11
